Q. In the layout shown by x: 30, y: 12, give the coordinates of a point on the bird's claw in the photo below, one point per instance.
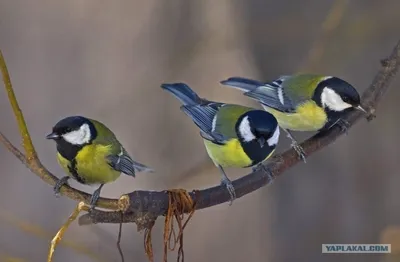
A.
x: 299, y: 150
x: 95, y: 197
x: 344, y: 125
x: 266, y: 170
x: 93, y: 200
x: 59, y: 184
x: 228, y: 184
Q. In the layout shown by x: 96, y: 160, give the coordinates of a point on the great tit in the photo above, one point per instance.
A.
x: 302, y: 102
x: 91, y: 154
x: 234, y: 135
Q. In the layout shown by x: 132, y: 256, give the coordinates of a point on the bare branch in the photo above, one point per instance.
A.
x: 142, y: 207
x: 156, y: 203
x: 30, y: 159
x: 58, y: 237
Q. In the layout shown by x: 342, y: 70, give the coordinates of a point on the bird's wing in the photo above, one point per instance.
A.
x: 122, y: 162
x: 273, y: 95
x: 119, y: 159
x: 283, y: 94
x: 227, y: 119
x: 203, y: 116
x: 300, y: 88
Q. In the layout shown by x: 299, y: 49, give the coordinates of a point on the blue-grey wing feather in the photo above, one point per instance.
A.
x: 203, y: 116
x: 272, y: 95
x: 125, y: 164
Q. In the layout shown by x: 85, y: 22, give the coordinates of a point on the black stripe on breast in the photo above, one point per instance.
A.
x: 67, y: 150
x: 334, y: 116
x: 74, y: 172
x: 255, y: 152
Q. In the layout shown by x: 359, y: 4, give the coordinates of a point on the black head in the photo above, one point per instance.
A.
x: 258, y: 134
x: 335, y: 94
x: 75, y: 130
x: 260, y: 126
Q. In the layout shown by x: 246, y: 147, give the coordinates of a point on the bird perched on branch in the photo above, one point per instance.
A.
x: 90, y: 153
x: 302, y: 102
x: 234, y: 135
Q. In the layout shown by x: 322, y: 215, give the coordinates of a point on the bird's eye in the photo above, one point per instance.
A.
x: 68, y: 129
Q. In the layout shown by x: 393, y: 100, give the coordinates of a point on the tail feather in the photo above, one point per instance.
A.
x: 183, y: 93
x: 142, y: 168
x: 241, y: 83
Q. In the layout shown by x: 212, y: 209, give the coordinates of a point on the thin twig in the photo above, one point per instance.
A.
x: 119, y: 238
x: 30, y: 158
x: 30, y: 151
x: 37, y: 231
x: 7, y: 143
x: 58, y: 237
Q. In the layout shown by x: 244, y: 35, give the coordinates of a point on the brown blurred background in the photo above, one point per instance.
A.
x: 106, y: 60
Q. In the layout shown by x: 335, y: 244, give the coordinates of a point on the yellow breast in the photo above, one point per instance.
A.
x: 229, y: 155
x: 308, y: 117
x: 92, y: 166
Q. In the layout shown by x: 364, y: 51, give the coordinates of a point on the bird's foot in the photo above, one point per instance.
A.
x: 59, y: 184
x: 93, y: 200
x: 344, y: 125
x: 228, y: 184
x: 95, y: 197
x: 299, y: 150
x: 266, y: 170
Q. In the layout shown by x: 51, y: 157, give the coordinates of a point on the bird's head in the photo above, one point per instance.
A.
x: 337, y: 95
x: 260, y: 126
x: 74, y: 130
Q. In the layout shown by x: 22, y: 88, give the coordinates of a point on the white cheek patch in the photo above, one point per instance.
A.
x: 78, y: 137
x: 330, y: 99
x: 273, y: 141
x: 245, y: 130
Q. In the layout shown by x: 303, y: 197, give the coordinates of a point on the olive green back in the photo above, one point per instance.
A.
x: 301, y: 87
x: 106, y: 137
x: 227, y: 118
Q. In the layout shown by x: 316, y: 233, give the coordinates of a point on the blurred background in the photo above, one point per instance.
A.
x: 106, y: 60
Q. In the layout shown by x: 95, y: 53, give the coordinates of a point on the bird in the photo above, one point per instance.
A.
x: 302, y: 102
x: 90, y: 153
x: 233, y: 135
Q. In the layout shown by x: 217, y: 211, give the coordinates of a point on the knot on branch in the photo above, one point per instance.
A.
x: 123, y: 203
x: 179, y: 203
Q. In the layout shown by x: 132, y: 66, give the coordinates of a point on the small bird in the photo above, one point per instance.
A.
x: 234, y: 135
x: 90, y: 153
x: 302, y: 102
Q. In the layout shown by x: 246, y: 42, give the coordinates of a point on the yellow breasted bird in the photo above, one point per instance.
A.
x: 234, y: 135
x: 90, y: 153
x: 302, y: 102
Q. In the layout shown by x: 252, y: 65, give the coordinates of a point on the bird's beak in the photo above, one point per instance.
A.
x: 52, y: 136
x: 261, y: 141
x: 360, y: 108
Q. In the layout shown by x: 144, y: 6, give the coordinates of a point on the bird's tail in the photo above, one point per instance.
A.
x: 241, y: 83
x: 142, y: 168
x: 183, y: 92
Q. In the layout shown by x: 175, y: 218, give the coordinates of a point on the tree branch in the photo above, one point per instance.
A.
x: 30, y: 158
x: 142, y: 207
x: 156, y: 203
